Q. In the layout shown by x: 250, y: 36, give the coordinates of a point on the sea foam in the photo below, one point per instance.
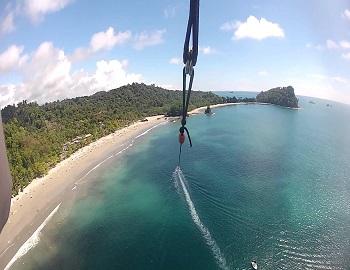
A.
x: 32, y: 241
x: 145, y: 132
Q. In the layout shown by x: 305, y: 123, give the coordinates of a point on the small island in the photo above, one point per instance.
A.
x: 283, y: 96
x: 208, y: 110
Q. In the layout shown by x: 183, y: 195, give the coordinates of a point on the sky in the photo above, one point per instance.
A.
x: 56, y: 49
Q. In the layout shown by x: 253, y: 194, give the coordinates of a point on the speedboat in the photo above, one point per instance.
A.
x: 254, y: 264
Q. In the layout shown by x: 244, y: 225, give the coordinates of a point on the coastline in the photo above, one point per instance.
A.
x: 32, y: 206
x: 202, y: 109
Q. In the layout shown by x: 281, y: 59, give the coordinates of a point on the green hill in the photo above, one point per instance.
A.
x: 36, y: 135
x: 283, y: 96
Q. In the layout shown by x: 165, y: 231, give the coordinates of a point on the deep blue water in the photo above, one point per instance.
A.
x: 261, y: 182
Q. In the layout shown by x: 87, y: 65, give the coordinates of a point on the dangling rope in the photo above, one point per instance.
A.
x: 190, y: 60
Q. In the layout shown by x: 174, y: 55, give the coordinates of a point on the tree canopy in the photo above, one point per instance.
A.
x: 237, y: 100
x: 283, y: 96
x: 38, y: 136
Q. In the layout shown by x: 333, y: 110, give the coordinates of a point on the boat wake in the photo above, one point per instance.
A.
x: 179, y: 180
x: 32, y: 241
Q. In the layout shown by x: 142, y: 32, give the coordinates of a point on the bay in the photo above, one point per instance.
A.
x: 268, y: 183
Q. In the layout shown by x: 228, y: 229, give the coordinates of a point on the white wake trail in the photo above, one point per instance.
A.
x: 219, y: 256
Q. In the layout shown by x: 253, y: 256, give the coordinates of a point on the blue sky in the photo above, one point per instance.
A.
x: 56, y: 49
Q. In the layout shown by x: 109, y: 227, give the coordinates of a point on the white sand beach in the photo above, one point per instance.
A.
x: 30, y: 206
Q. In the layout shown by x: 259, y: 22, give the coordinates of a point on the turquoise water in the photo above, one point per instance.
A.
x: 260, y: 182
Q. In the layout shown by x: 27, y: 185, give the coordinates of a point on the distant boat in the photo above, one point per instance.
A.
x: 311, y: 102
x: 254, y: 264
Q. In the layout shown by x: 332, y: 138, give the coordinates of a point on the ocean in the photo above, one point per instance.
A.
x: 261, y: 182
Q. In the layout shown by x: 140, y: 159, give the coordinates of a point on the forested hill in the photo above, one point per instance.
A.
x: 39, y: 136
x: 283, y: 96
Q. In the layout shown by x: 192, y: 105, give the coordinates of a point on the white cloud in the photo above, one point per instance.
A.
x: 7, y: 24
x: 80, y: 54
x: 262, y: 73
x: 325, y: 87
x: 228, y: 26
x: 345, y: 44
x: 340, y: 79
x: 346, y: 55
x: 7, y: 94
x: 346, y: 14
x: 330, y: 44
x: 100, y: 41
x: 170, y: 86
x: 37, y: 9
x: 108, y: 75
x: 207, y: 50
x: 107, y: 40
x: 175, y: 61
x: 12, y: 59
x: 144, y: 39
x: 169, y: 12
x: 318, y: 76
x: 34, y: 9
x: 111, y: 75
x: 254, y: 28
x: 47, y: 76
x: 330, y: 78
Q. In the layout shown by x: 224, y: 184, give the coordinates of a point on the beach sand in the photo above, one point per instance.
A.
x: 31, y: 207
x: 202, y: 109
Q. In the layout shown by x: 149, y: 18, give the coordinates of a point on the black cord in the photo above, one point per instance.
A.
x: 189, y: 59
x: 190, y: 55
x: 193, y: 24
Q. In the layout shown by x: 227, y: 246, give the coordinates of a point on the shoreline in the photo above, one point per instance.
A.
x: 202, y: 109
x: 32, y: 206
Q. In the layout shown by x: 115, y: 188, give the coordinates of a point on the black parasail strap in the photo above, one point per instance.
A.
x: 190, y: 60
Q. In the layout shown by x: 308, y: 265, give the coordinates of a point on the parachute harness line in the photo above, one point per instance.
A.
x: 190, y: 60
